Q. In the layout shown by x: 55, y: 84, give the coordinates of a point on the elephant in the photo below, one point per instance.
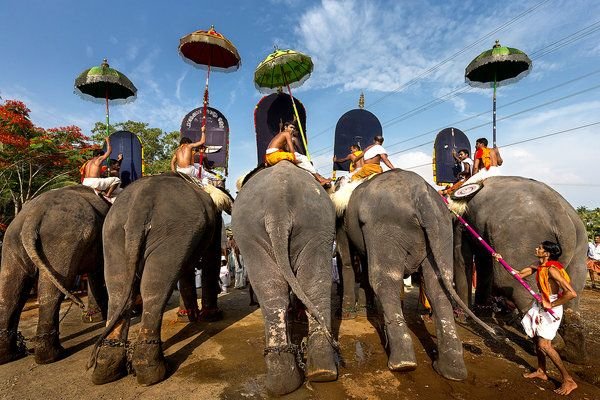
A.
x: 401, y: 224
x: 284, y: 225
x: 55, y: 237
x: 514, y: 214
x: 154, y: 234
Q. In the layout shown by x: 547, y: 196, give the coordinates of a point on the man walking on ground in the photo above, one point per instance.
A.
x: 593, y: 261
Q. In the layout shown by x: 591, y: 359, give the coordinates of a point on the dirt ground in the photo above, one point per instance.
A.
x: 224, y: 360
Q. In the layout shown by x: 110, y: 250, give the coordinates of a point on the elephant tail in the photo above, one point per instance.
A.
x: 136, y: 229
x: 436, y: 244
x: 279, y: 233
x: 29, y: 238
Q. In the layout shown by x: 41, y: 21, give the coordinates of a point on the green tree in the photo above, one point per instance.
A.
x: 591, y: 219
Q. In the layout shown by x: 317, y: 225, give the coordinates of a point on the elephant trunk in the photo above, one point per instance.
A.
x: 29, y: 237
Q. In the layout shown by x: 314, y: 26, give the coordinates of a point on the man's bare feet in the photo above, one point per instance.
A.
x: 538, y: 373
x: 567, y: 387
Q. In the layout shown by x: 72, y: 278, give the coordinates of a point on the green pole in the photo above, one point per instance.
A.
x: 494, y: 113
x: 297, y: 115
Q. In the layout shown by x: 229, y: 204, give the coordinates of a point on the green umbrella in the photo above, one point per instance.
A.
x: 103, y: 83
x: 284, y: 68
x: 498, y: 66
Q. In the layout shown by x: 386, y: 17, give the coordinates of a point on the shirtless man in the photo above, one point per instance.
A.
x: 486, y: 162
x: 553, y: 283
x: 182, y: 160
x: 372, y: 156
x: 282, y: 147
x: 93, y: 171
x: 355, y: 158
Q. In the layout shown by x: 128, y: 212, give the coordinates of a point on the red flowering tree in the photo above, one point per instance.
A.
x: 33, y: 159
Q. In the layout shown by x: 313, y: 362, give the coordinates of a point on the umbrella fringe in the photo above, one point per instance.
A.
x: 212, y: 68
x: 102, y: 100
x: 268, y: 90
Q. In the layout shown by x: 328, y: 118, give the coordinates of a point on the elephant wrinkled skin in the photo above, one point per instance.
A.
x: 284, y: 225
x: 401, y: 224
x: 56, y: 236
x: 154, y: 234
x: 514, y: 215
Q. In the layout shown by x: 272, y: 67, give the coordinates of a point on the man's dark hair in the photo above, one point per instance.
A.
x: 483, y: 141
x: 289, y: 123
x: 378, y: 139
x: 97, y: 152
x: 356, y: 145
x: 185, y: 140
x: 114, y: 162
x: 466, y: 151
x: 553, y: 248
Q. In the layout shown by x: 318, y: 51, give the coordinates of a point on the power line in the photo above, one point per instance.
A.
x: 446, y: 60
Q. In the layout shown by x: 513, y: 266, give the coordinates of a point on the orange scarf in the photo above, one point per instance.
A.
x: 484, y: 154
x: 543, y: 277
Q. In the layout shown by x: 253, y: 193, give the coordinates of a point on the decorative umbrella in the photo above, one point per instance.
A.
x: 103, y: 83
x: 284, y: 68
x: 498, y: 66
x: 209, y: 50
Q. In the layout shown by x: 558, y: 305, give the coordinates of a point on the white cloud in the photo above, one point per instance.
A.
x: 89, y: 51
x: 178, y: 84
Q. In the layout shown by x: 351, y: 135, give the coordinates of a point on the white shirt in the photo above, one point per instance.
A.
x: 594, y: 251
x: 374, y: 151
x: 468, y: 161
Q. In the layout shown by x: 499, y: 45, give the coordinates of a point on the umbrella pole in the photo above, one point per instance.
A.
x: 299, y: 122
x: 494, y: 114
x: 107, y: 115
x: 204, y: 120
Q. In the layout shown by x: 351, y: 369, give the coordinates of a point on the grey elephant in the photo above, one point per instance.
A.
x: 154, y: 234
x: 56, y: 237
x: 401, y: 224
x: 514, y: 215
x: 284, y: 225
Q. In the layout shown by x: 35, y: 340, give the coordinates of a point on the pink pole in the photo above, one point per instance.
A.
x: 507, y: 267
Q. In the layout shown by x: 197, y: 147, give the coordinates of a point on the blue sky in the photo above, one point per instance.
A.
x: 373, y: 46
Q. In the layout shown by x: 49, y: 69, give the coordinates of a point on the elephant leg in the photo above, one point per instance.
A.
x: 463, y: 266
x: 111, y: 361
x: 283, y: 374
x: 97, y: 298
x: 211, y: 266
x: 47, y: 344
x: 387, y: 285
x: 15, y: 285
x: 316, y: 282
x: 188, y: 299
x: 156, y: 288
x: 349, y: 284
x: 450, y: 363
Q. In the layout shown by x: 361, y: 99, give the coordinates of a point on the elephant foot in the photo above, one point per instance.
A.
x: 149, y: 362
x: 454, y: 370
x: 210, y: 314
x: 320, y: 363
x: 47, y: 348
x: 187, y: 315
x: 283, y: 374
x: 12, y: 346
x: 348, y: 313
x: 111, y: 362
x: 92, y: 315
x: 402, y: 354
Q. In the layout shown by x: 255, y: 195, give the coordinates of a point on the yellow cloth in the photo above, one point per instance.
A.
x: 357, y: 153
x: 367, y: 170
x: 274, y: 158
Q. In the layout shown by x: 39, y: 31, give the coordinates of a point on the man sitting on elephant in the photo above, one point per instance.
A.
x: 486, y: 162
x: 182, y: 160
x: 282, y: 148
x: 372, y: 156
x: 553, y: 283
x: 92, y: 170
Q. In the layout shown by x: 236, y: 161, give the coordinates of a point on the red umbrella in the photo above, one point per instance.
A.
x: 209, y: 50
